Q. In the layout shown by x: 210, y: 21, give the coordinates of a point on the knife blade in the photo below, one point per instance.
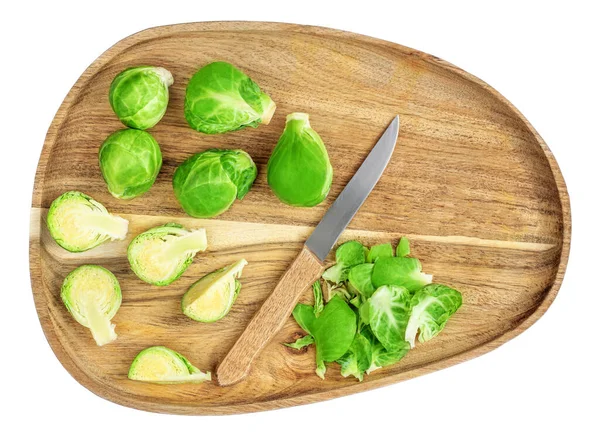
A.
x: 308, y: 265
x: 341, y: 212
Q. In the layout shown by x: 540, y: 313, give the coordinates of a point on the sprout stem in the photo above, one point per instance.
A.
x: 165, y: 75
x: 194, y: 241
x: 113, y: 226
x: 102, y: 330
x: 269, y: 110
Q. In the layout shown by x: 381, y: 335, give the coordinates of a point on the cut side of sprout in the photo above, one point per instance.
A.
x: 79, y: 223
x: 93, y: 296
x: 210, y: 298
x: 160, y: 255
x: 160, y: 364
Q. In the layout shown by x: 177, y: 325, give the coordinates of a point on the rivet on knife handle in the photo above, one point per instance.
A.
x: 271, y: 316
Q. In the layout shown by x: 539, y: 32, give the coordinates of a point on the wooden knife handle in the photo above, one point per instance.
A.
x: 269, y: 319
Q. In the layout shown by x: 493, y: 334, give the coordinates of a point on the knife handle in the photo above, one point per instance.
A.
x: 270, y: 318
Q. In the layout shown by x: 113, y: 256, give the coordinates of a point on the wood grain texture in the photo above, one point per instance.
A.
x: 470, y: 182
x: 269, y: 319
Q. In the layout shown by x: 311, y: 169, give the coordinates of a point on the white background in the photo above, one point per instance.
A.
x: 543, y: 58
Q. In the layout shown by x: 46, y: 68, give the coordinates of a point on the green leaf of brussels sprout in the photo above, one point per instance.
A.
x: 405, y: 272
x: 333, y: 331
x: 130, y: 160
x: 380, y: 357
x: 347, y: 255
x: 432, y: 306
x: 360, y: 278
x: 79, y: 223
x: 160, y: 255
x: 93, y: 296
x: 357, y: 360
x: 318, y: 296
x: 299, y: 171
x: 140, y: 95
x: 380, y: 251
x: 403, y: 248
x: 207, y: 184
x: 220, y: 98
x: 388, y: 312
x: 307, y: 340
x: 210, y: 298
x: 160, y: 364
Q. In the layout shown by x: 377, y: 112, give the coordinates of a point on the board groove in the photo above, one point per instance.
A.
x: 471, y: 184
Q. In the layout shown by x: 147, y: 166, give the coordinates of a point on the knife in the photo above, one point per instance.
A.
x: 308, y: 265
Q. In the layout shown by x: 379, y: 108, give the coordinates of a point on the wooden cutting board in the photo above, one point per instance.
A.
x: 471, y: 183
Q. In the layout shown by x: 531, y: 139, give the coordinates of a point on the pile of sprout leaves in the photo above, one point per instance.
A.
x: 378, y: 303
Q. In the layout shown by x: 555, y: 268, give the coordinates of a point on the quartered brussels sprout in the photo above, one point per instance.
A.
x: 299, y: 171
x: 220, y: 98
x: 206, y: 184
x: 140, y: 95
x: 79, y: 223
x: 130, y: 160
x: 93, y: 296
x: 160, y: 255
x: 163, y: 365
x: 211, y: 298
x: 432, y: 306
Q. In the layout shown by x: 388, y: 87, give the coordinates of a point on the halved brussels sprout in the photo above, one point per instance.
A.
x: 207, y: 184
x: 163, y: 365
x: 79, y: 223
x: 211, y: 298
x: 93, y: 296
x: 160, y: 255
x: 140, y: 95
x: 299, y: 171
x: 220, y: 98
x: 130, y: 160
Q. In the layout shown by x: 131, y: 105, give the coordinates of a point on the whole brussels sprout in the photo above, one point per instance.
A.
x: 299, y: 171
x: 130, y: 160
x: 206, y: 184
x: 139, y: 95
x: 220, y: 98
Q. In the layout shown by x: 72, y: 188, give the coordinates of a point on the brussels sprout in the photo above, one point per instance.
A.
x: 220, y: 98
x: 93, y: 296
x: 432, y: 306
x: 211, y: 298
x: 163, y: 365
x: 299, y: 171
x: 140, y: 95
x: 130, y: 160
x: 79, y: 223
x: 206, y: 184
x: 160, y: 255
